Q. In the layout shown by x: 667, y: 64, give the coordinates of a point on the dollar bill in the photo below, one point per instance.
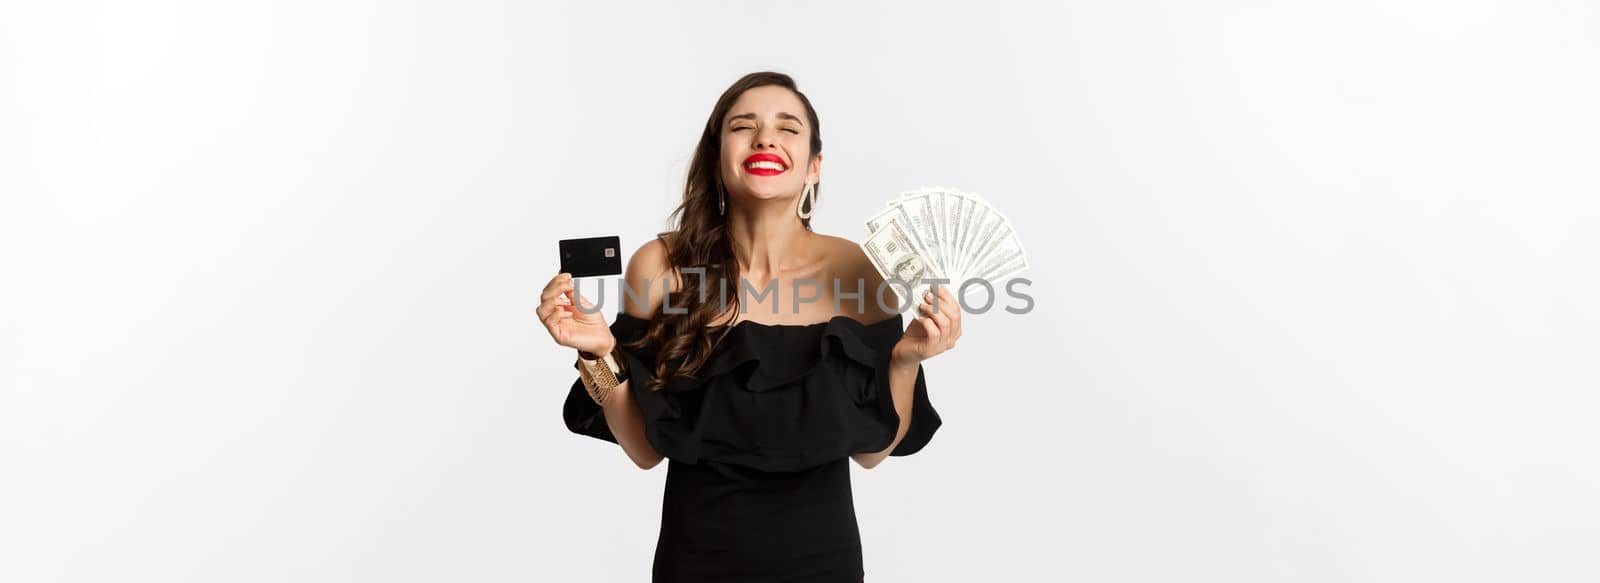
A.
x: 945, y: 233
x: 1007, y: 252
x: 970, y: 208
x: 914, y: 215
x: 985, y: 231
x: 901, y: 261
x: 925, y: 220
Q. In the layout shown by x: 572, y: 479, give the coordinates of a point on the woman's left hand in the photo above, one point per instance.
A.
x: 933, y: 332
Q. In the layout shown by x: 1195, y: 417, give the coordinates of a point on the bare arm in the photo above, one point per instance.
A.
x: 902, y: 375
x: 585, y: 330
x: 626, y: 421
x: 902, y: 384
x: 932, y: 332
x: 647, y: 266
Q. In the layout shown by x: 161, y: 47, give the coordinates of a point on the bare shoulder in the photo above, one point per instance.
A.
x: 648, y: 266
x: 846, y: 257
x: 855, y: 271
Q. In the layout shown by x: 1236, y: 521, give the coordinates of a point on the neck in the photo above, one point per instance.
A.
x: 767, y: 236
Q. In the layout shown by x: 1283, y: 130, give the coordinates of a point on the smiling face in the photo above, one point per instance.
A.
x: 766, y: 145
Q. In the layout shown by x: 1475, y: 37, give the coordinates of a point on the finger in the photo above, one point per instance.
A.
x: 950, y: 307
x: 947, y: 297
x: 557, y: 290
x: 562, y: 334
x: 948, y: 304
x: 553, y: 294
x: 953, y: 311
x: 558, y: 280
x: 550, y: 323
x: 549, y: 306
x: 944, y: 324
x: 932, y: 328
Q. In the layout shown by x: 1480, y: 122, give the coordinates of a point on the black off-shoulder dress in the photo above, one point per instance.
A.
x: 758, y: 445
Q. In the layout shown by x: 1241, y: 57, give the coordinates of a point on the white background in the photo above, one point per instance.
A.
x: 1314, y: 283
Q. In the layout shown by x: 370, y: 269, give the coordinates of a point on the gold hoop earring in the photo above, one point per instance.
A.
x: 808, y: 195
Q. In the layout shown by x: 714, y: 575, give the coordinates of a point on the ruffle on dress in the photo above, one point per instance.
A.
x: 772, y: 397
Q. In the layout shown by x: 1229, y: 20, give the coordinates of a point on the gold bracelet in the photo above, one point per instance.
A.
x: 600, y: 377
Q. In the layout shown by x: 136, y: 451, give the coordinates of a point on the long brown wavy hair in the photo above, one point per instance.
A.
x: 699, y: 239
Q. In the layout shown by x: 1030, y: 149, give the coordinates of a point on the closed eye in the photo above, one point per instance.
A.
x: 742, y: 128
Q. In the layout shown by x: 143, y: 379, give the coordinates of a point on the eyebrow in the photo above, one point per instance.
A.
x: 781, y: 115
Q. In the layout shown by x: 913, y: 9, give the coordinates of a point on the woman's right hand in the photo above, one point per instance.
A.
x: 569, y: 326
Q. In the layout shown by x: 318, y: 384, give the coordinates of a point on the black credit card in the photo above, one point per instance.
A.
x: 591, y: 256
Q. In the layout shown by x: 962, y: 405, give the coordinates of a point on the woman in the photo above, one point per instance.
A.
x: 757, y: 407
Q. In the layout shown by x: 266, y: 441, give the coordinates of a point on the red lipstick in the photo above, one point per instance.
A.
x: 765, y: 165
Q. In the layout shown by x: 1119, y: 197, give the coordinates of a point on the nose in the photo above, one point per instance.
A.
x: 765, y: 139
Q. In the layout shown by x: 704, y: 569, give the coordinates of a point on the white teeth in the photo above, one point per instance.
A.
x: 764, y: 164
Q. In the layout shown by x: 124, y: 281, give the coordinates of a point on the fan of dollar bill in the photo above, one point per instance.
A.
x: 942, y: 233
